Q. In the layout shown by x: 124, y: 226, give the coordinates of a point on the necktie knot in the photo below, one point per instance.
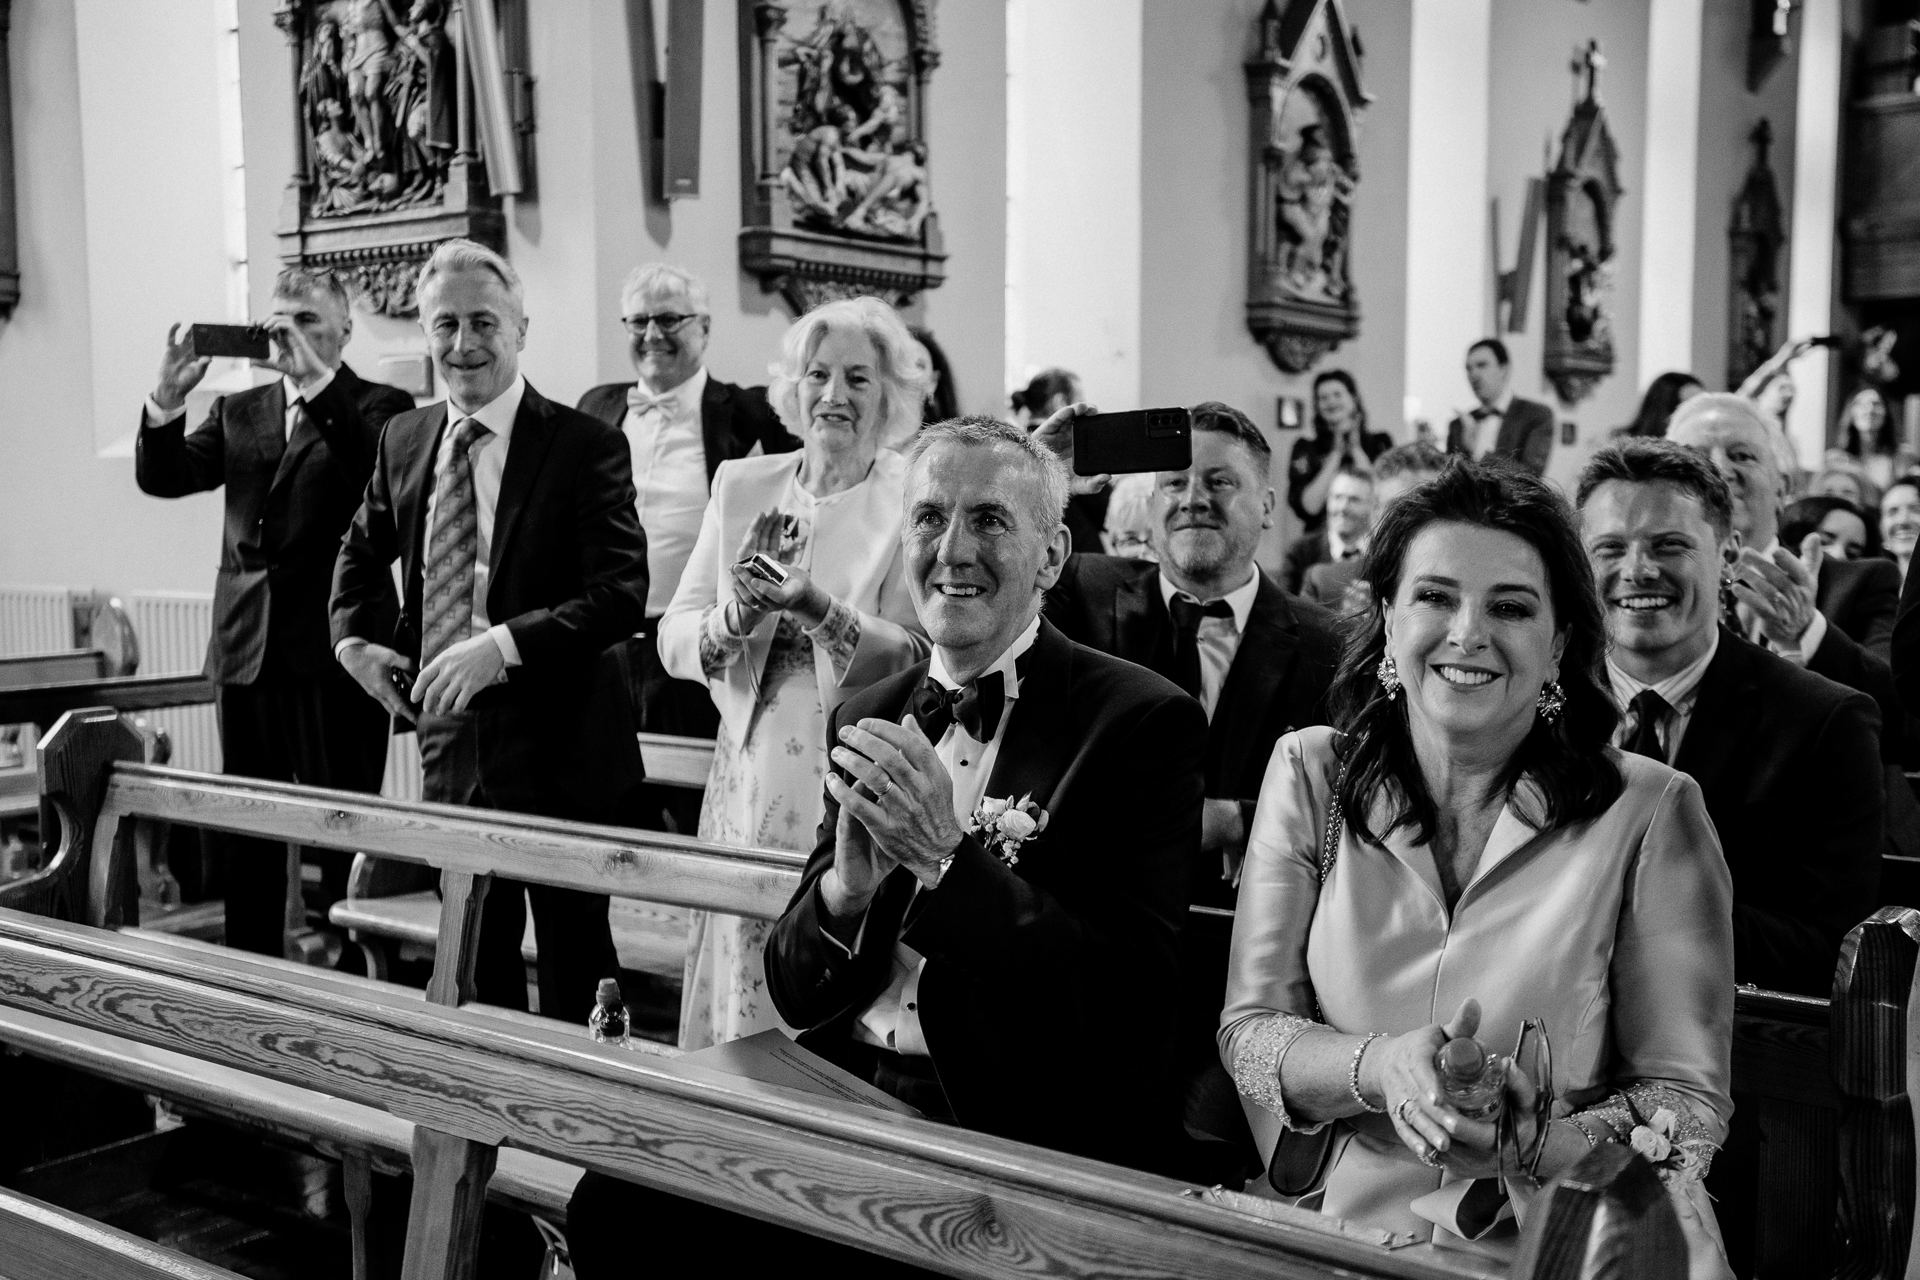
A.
x: 1188, y: 612
x: 976, y: 707
x: 1650, y: 712
x: 467, y: 432
x: 1484, y: 412
x: 641, y: 400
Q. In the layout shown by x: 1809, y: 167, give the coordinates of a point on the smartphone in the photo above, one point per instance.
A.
x: 765, y: 567
x: 1142, y: 440
x: 239, y: 341
x: 402, y: 681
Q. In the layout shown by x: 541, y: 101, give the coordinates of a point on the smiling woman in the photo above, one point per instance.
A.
x: 1467, y: 857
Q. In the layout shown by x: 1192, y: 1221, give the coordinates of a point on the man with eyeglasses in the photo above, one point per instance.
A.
x: 682, y: 424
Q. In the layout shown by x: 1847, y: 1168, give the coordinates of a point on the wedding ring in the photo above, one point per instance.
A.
x: 1401, y: 1111
x: 882, y: 793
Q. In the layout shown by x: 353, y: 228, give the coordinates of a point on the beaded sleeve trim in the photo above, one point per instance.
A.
x: 1689, y: 1130
x: 1256, y: 1067
x: 838, y: 635
x: 719, y: 648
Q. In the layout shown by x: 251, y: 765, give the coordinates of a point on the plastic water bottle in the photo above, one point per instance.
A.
x: 1472, y: 1081
x: 608, y: 1023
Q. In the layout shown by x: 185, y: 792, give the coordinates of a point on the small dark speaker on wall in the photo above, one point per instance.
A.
x: 680, y: 159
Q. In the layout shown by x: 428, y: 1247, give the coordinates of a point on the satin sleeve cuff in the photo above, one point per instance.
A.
x: 1643, y: 1101
x: 1256, y: 1067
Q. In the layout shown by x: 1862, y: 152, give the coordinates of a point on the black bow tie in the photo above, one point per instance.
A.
x: 1188, y: 612
x: 1484, y: 412
x: 976, y: 707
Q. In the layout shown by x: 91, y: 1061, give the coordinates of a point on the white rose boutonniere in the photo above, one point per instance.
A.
x: 1003, y: 826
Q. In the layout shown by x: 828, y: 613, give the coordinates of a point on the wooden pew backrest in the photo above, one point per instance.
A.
x: 1872, y: 989
x: 62, y: 667
x: 1607, y: 1216
x: 41, y: 1242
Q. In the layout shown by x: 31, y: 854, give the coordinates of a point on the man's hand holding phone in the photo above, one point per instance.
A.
x: 1056, y: 436
x: 386, y: 675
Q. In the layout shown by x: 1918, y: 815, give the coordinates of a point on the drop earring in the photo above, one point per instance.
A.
x: 1389, y: 676
x: 1553, y: 700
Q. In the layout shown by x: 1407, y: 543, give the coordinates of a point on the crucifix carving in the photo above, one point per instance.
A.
x: 1587, y: 64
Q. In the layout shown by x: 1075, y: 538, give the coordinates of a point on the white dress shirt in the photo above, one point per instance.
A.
x: 1219, y: 638
x: 1486, y: 429
x: 158, y: 417
x: 1338, y: 548
x: 1801, y: 654
x: 670, y: 477
x: 892, y: 1021
x: 488, y: 458
x: 1679, y: 691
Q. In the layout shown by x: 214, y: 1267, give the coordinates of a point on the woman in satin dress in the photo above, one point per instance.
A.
x: 1494, y: 861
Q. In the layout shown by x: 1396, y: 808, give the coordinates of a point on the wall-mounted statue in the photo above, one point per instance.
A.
x: 836, y: 193
x: 1305, y: 86
x: 1582, y: 192
x: 388, y: 149
x: 1753, y: 265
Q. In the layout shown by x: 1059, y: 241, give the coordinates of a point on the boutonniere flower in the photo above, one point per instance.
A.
x: 1004, y: 825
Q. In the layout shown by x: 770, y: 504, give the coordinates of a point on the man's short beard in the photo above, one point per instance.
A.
x: 1197, y: 563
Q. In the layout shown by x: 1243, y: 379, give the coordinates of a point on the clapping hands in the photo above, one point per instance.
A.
x: 755, y: 597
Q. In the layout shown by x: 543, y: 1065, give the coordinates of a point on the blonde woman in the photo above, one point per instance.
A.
x: 778, y: 656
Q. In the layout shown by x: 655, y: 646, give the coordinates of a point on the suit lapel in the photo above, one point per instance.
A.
x: 716, y: 423
x: 304, y: 437
x: 1036, y: 751
x: 1260, y: 665
x: 416, y: 486
x: 1723, y: 714
x: 1142, y: 632
x: 532, y: 436
x: 270, y: 426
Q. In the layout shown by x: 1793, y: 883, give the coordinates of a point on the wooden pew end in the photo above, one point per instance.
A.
x: 1607, y: 1218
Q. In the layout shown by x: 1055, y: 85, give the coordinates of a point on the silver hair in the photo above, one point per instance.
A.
x: 468, y: 255
x: 906, y: 374
x: 653, y: 275
x: 297, y: 282
x: 1723, y: 403
x: 976, y: 431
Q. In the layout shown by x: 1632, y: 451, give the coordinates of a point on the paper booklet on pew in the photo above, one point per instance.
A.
x: 771, y: 1058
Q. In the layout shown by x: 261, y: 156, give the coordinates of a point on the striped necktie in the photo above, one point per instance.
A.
x: 453, y: 546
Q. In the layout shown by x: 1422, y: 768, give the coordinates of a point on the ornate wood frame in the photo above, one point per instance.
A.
x: 380, y: 253
x: 780, y: 242
x: 1582, y: 191
x: 1300, y: 297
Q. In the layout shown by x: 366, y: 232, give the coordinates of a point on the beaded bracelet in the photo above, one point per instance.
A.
x: 1593, y: 1140
x: 1353, y: 1073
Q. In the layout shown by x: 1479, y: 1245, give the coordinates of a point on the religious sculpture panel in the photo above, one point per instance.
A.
x: 1582, y: 192
x: 1753, y: 260
x: 837, y: 195
x: 1306, y: 94
x: 387, y: 160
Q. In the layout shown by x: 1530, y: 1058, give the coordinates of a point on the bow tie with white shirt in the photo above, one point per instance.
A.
x: 664, y: 431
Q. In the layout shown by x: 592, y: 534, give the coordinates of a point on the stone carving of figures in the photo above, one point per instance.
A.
x: 895, y: 203
x: 887, y: 126
x: 341, y: 160
x: 322, y: 77
x: 1583, y: 290
x: 369, y: 63
x: 423, y: 95
x: 1309, y: 185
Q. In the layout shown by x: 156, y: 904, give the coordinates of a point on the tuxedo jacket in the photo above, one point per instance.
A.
x: 288, y: 502
x: 1788, y: 763
x: 1326, y: 584
x: 1526, y: 435
x: 568, y: 567
x: 1307, y: 551
x: 1859, y: 599
x: 733, y: 419
x: 1048, y: 999
x: 1277, y: 683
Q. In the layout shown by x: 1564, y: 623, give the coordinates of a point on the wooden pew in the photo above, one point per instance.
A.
x: 1872, y: 994
x: 40, y: 1242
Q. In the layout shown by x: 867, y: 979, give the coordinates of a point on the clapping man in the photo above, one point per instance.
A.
x: 1343, y: 539
x: 1337, y: 584
x: 681, y: 423
x: 521, y: 561
x: 1010, y: 975
x: 1258, y: 660
x: 294, y: 456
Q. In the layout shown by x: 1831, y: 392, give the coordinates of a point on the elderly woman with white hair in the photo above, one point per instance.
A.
x: 781, y: 646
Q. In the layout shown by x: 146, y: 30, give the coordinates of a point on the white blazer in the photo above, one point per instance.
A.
x: 853, y: 554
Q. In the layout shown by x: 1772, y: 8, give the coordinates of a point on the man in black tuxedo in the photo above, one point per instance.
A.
x: 1502, y: 425
x: 521, y: 563
x: 1023, y: 984
x: 1787, y: 760
x: 1337, y: 584
x: 681, y: 424
x: 1259, y: 661
x: 294, y: 456
x: 1343, y: 538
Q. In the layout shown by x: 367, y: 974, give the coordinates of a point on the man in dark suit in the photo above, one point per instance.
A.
x: 1020, y: 982
x: 521, y: 562
x: 1343, y: 538
x: 681, y: 424
x: 1787, y: 760
x: 1503, y: 425
x: 1337, y: 584
x: 294, y: 456
x: 1259, y: 661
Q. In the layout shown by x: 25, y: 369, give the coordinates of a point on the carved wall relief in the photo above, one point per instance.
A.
x: 1582, y: 192
x: 388, y: 113
x: 1305, y: 89
x: 836, y: 195
x: 1753, y: 265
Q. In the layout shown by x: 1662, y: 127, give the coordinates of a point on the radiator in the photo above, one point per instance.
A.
x: 173, y: 627
x: 36, y: 619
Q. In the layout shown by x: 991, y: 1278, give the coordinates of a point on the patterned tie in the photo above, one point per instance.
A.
x: 1651, y: 709
x: 1187, y: 614
x: 453, y: 545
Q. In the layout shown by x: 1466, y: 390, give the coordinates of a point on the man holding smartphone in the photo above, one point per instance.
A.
x: 294, y: 456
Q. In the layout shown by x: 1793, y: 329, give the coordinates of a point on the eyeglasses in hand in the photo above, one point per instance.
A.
x: 667, y: 321
x: 1533, y: 1055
